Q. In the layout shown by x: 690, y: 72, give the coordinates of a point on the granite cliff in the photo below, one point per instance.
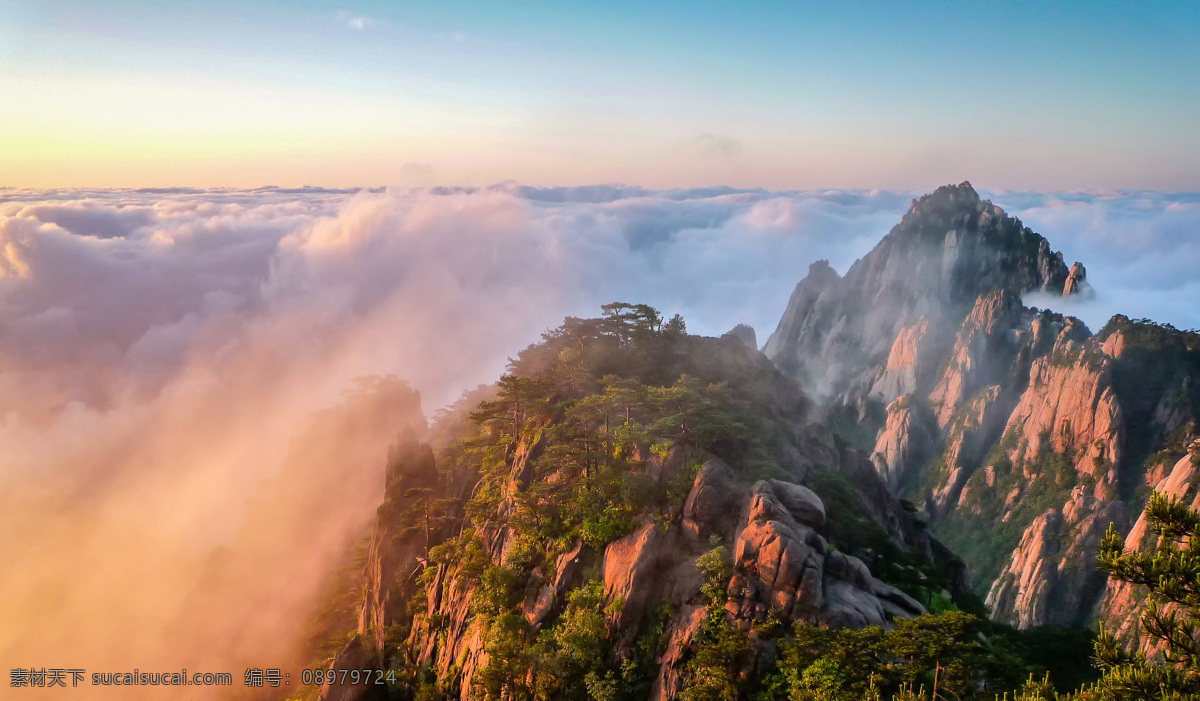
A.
x: 1018, y: 432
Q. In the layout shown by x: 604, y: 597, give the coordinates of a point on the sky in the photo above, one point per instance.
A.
x: 215, y: 216
x: 1013, y: 95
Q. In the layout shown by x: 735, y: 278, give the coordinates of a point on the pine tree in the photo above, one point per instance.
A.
x: 1171, y: 574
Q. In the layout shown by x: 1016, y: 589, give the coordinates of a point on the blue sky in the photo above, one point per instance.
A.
x: 1011, y: 95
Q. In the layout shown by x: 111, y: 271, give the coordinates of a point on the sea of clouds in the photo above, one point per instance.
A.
x: 159, y: 347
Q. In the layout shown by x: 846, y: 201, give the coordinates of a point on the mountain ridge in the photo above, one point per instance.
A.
x: 949, y: 248
x: 1020, y: 432
x: 594, y: 484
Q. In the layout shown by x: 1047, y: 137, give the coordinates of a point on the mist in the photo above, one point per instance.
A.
x: 188, y: 452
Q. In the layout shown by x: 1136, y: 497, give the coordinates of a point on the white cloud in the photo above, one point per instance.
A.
x: 720, y: 145
x: 1141, y: 250
x: 355, y: 21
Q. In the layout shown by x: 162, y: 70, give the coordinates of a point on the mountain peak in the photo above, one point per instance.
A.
x: 962, y: 193
x: 948, y: 250
x: 947, y: 197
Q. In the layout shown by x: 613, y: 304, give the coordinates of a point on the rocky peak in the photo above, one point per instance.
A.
x: 745, y: 334
x: 1077, y: 281
x: 476, y: 559
x: 946, y: 198
x: 1021, y: 433
x: 821, y: 274
x: 949, y: 249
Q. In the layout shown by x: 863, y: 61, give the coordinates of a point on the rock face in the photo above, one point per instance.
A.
x: 1076, y: 445
x: 631, y: 567
x: 909, y: 363
x: 905, y: 442
x: 1077, y: 281
x: 981, y: 352
x: 783, y: 564
x: 1070, y: 407
x: 1025, y: 586
x: 391, y: 558
x: 948, y: 250
x: 1020, y: 433
x: 360, y: 655
x: 712, y: 501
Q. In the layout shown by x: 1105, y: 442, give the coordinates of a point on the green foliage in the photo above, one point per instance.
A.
x: 945, y: 654
x: 844, y: 423
x: 507, y: 675
x: 1171, y: 574
x: 723, y: 649
x: 717, y: 569
x: 575, y: 652
x: 640, y: 668
x: 1052, y: 476
x: 591, y: 434
x: 822, y: 680
x: 1148, y: 334
x: 1063, y: 655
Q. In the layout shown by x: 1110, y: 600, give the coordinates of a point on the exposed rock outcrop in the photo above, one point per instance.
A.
x: 948, y: 250
x: 712, y: 502
x: 982, y: 352
x: 632, y: 566
x: 967, y: 440
x: 1071, y: 406
x: 391, y: 558
x: 360, y: 655
x: 910, y: 363
x: 1040, y: 435
x: 511, y: 571
x: 745, y: 334
x: 1077, y: 281
x: 783, y: 564
x: 905, y: 442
